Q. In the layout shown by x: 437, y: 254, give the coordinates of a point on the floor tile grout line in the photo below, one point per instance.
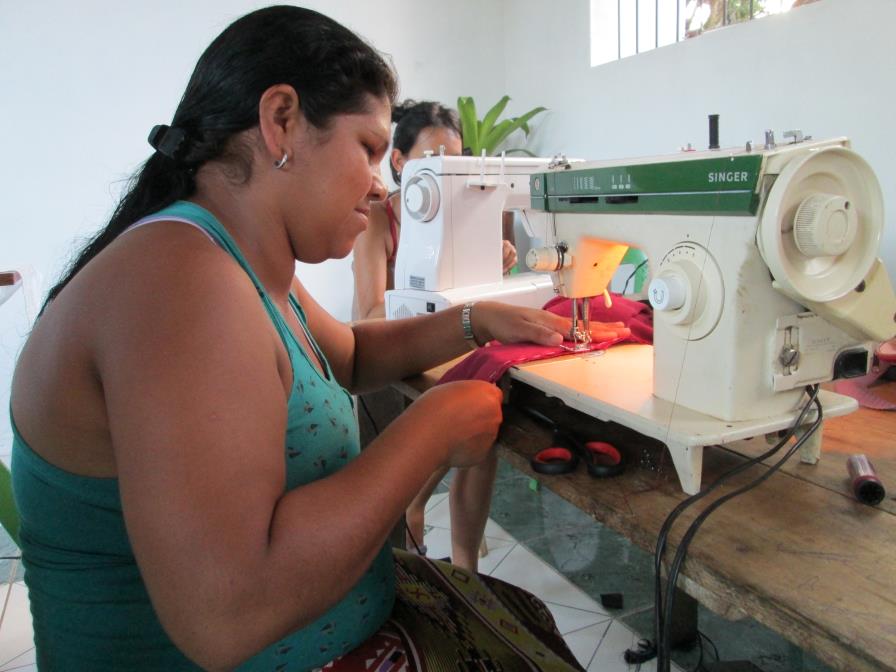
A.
x: 584, y: 627
x: 3, y: 667
x: 506, y: 540
x: 585, y: 611
x: 561, y: 575
x: 3, y: 616
x: 597, y: 648
x: 606, y: 617
x: 501, y: 561
x: 509, y: 536
x: 14, y: 565
x: 568, y: 606
x: 558, y: 570
x: 633, y: 611
x: 26, y: 666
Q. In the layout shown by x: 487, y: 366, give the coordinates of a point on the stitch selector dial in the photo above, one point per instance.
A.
x: 688, y: 291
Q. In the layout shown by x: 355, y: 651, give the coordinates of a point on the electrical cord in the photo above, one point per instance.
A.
x: 632, y: 275
x: 681, y: 551
x: 407, y: 528
x: 664, y: 644
x: 715, y: 651
x: 676, y: 512
x: 698, y: 667
x: 376, y: 430
x: 645, y: 653
x: 646, y: 650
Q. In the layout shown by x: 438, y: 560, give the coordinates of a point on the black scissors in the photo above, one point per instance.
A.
x: 602, y: 459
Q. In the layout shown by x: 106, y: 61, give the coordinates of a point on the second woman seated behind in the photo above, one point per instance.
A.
x: 421, y: 127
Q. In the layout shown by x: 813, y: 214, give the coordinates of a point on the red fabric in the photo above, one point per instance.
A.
x: 635, y: 315
x: 862, y: 390
x: 489, y: 363
x: 382, y: 652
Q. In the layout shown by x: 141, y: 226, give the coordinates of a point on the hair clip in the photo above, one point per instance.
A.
x: 167, y: 140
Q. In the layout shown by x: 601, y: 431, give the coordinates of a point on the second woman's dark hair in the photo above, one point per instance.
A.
x: 331, y: 69
x: 411, y: 117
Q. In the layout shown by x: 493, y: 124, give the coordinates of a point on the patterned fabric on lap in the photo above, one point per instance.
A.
x: 446, y: 618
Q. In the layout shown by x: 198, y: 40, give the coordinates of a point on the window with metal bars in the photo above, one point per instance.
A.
x: 623, y: 28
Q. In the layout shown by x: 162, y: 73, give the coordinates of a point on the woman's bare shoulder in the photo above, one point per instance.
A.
x: 162, y: 272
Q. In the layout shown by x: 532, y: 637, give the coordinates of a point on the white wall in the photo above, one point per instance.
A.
x: 825, y: 68
x: 82, y: 83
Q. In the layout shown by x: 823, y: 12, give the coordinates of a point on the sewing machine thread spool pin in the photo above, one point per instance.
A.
x: 713, y: 131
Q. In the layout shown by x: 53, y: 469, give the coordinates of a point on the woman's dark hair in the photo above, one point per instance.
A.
x: 332, y: 70
x: 411, y: 117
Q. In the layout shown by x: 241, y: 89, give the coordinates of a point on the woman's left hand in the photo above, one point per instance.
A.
x: 514, y: 324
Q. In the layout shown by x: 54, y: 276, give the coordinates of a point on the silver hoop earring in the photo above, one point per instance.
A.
x: 281, y: 162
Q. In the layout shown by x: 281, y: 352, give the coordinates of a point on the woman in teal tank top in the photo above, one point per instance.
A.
x: 114, y: 625
x: 185, y: 459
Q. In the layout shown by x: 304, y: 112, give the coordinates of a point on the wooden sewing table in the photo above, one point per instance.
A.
x: 798, y: 554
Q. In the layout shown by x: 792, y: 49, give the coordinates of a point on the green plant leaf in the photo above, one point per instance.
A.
x: 524, y: 119
x: 497, y: 136
x: 489, y: 133
x: 491, y: 116
x: 469, y: 125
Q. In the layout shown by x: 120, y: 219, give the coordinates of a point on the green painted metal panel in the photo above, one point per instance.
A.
x: 724, y: 185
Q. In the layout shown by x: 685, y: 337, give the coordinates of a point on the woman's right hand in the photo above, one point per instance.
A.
x: 465, y: 414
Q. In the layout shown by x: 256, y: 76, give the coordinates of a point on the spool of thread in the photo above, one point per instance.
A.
x: 865, y: 484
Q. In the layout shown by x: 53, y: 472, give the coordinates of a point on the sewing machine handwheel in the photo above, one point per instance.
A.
x: 821, y: 225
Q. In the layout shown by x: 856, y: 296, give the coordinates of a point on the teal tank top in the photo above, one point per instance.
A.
x: 89, y: 605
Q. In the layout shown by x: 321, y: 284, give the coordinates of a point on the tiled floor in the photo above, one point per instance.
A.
x: 570, y: 560
x: 596, y: 638
x: 16, y: 641
x: 540, y: 542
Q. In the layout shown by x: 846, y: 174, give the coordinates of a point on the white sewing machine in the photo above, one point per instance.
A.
x: 451, y: 234
x: 765, y: 279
